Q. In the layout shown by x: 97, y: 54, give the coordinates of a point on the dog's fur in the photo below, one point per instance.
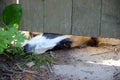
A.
x: 43, y: 42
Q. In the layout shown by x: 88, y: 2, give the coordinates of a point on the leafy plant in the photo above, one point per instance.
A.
x: 11, y: 38
x: 10, y: 35
x: 40, y: 60
x: 12, y: 14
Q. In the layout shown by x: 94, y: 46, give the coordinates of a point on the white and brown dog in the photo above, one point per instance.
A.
x: 50, y: 41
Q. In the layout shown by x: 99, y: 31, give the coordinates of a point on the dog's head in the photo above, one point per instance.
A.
x: 32, y: 44
x: 43, y: 42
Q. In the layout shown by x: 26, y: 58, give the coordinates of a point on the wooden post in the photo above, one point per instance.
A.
x: 16, y: 1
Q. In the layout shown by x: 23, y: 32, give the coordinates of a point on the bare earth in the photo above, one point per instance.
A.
x: 91, y: 63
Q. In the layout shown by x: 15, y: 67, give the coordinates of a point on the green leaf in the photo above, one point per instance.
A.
x: 12, y: 14
x: 2, y: 44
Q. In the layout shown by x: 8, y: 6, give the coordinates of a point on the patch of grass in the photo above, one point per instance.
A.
x: 39, y: 60
x: 17, y: 53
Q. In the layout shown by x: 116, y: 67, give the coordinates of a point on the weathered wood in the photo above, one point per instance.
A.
x: 58, y: 16
x: 86, y: 17
x: 79, y: 17
x: 32, y: 19
x: 3, y: 4
x: 110, y: 24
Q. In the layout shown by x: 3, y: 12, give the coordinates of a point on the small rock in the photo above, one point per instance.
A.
x: 30, y: 64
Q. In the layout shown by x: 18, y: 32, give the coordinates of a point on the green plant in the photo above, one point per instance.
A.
x: 11, y: 38
x: 12, y: 14
x: 10, y: 35
x: 40, y: 60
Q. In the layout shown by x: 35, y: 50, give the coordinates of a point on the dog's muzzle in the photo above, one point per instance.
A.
x: 28, y: 49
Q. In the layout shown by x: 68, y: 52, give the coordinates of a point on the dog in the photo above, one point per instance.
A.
x: 44, y: 42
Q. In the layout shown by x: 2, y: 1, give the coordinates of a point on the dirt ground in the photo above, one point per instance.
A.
x: 89, y: 63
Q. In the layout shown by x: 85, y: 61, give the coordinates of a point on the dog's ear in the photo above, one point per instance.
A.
x: 26, y: 33
x: 33, y: 34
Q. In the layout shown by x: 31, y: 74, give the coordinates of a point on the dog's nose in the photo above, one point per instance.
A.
x: 26, y: 48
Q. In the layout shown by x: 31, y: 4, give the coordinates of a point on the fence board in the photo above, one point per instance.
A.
x: 3, y: 4
x: 110, y: 26
x: 86, y: 17
x: 79, y: 17
x: 32, y: 15
x: 58, y: 16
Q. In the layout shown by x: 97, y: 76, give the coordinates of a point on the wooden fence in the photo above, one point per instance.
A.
x: 99, y: 18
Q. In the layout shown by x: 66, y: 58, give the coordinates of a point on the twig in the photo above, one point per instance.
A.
x: 27, y: 71
x: 19, y: 67
x: 5, y: 69
x: 9, y: 75
x: 100, y: 53
x: 49, y: 67
x: 116, y: 50
x: 51, y: 54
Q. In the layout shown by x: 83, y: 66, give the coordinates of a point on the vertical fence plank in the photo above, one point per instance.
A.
x: 110, y: 26
x: 58, y: 16
x: 3, y: 4
x: 32, y: 18
x: 82, y: 17
x: 86, y: 17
